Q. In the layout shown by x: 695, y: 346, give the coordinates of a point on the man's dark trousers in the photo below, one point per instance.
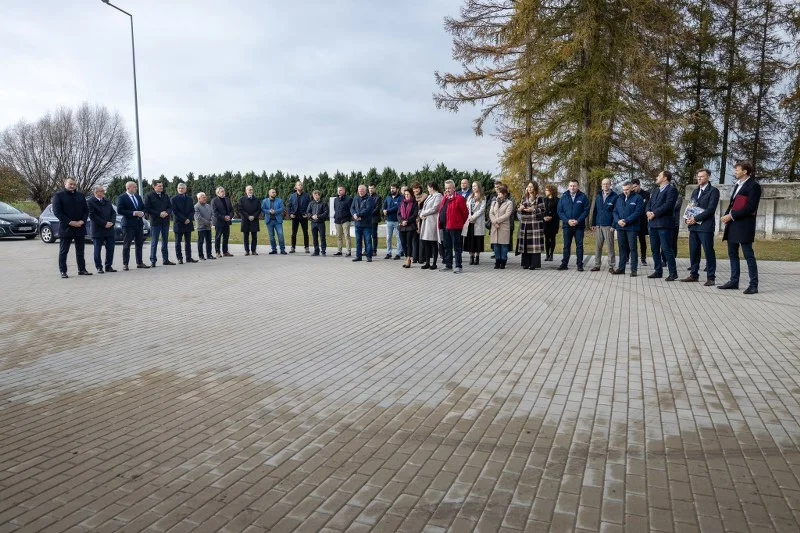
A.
x: 452, y: 240
x: 302, y: 223
x: 187, y: 238
x: 99, y: 242
x: 204, y: 236
x: 569, y: 234
x: 661, y: 240
x: 157, y: 232
x: 627, y: 249
x: 63, y: 250
x: 749, y: 256
x: 135, y: 235
x: 706, y: 240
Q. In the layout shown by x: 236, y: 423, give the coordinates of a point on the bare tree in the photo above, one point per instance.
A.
x: 89, y: 144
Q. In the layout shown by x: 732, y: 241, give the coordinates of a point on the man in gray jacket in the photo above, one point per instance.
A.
x: 202, y: 218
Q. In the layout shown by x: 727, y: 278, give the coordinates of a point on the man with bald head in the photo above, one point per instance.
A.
x: 131, y: 207
x: 183, y: 223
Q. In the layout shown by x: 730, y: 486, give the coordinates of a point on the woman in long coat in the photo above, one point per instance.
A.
x: 551, y: 221
x: 474, y: 228
x: 530, y: 239
x: 429, y: 226
x: 419, y: 196
x: 500, y: 218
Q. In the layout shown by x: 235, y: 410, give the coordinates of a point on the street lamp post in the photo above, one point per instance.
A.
x: 135, y: 95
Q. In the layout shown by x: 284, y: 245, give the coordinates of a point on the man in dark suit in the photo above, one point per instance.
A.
x: 662, y: 222
x: 740, y: 225
x: 104, y: 218
x: 69, y: 207
x: 183, y: 223
x: 159, y: 209
x: 636, y: 188
x: 573, y: 208
x: 131, y: 207
x: 221, y: 217
x: 250, y: 213
x: 296, y: 207
x: 628, y: 209
x: 701, y: 228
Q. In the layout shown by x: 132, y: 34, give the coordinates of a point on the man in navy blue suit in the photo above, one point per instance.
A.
x: 661, y: 220
x: 701, y: 229
x: 131, y: 207
x: 740, y: 225
x: 628, y: 209
x: 573, y: 208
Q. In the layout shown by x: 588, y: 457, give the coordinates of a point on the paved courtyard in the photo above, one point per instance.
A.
x: 299, y: 393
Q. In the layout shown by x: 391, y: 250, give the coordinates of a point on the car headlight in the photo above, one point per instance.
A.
x: 5, y: 222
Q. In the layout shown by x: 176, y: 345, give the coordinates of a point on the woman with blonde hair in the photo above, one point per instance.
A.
x: 500, y: 218
x: 475, y: 229
x: 530, y: 239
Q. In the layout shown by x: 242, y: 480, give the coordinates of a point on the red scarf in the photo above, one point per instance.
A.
x: 406, y: 208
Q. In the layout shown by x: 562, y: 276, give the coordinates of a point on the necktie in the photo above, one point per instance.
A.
x: 699, y: 192
x: 736, y: 190
x: 135, y: 204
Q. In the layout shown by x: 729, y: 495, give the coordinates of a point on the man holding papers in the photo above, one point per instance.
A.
x: 740, y: 225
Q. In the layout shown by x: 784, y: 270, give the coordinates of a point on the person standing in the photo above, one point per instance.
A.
x: 376, y: 217
x: 69, y: 207
x: 429, y: 227
x: 573, y: 208
x: 104, y: 218
x: 131, y: 207
x: 628, y: 209
x: 420, y: 197
x: 500, y: 217
x: 250, y: 213
x: 272, y: 207
x: 296, y: 207
x: 221, y: 217
x: 530, y: 239
x: 474, y: 228
x: 452, y: 216
x: 203, y: 216
x: 341, y: 219
x: 183, y: 223
x: 740, y: 226
x: 362, y: 211
x: 159, y: 209
x: 662, y: 221
x: 390, y: 207
x: 318, y: 213
x: 551, y: 220
x: 465, y: 190
x: 602, y: 225
x: 644, y: 229
x: 701, y: 228
x: 407, y: 220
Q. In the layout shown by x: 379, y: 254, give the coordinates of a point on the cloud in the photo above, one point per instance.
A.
x: 298, y: 86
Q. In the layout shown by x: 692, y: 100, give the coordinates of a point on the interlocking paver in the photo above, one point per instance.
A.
x: 255, y: 394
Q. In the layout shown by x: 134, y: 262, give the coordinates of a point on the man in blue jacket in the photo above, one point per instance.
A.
x: 362, y: 209
x: 701, y: 228
x: 628, y: 209
x: 661, y: 221
x: 602, y: 219
x: 272, y: 207
x: 573, y: 208
x: 390, y: 207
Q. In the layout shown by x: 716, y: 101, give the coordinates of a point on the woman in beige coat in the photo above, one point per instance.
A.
x: 474, y: 228
x: 500, y: 217
x: 429, y: 226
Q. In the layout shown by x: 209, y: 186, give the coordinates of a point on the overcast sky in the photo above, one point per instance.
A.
x: 298, y: 86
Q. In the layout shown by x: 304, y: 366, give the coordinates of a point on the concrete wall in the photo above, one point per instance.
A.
x: 778, y: 213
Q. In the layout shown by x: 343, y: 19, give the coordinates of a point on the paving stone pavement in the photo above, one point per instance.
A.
x: 298, y: 393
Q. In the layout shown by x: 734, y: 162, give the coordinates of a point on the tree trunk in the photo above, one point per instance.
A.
x: 761, y: 86
x: 726, y: 116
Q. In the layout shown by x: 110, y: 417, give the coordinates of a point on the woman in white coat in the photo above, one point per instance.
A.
x: 429, y: 226
x: 474, y: 228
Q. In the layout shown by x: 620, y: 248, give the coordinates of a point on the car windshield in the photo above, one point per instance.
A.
x: 6, y: 209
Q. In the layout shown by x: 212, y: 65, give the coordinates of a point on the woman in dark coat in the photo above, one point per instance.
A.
x: 551, y: 222
x: 407, y: 218
x: 530, y: 239
x: 420, y: 196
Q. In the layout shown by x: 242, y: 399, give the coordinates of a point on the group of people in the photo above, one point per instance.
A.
x: 424, y: 224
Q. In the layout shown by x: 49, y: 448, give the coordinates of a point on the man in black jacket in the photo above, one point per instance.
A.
x: 250, y: 212
x: 183, y: 213
x: 341, y: 219
x: 740, y: 226
x: 158, y: 208
x: 643, y: 229
x: 104, y: 218
x: 376, y: 217
x: 69, y: 207
x: 221, y: 217
x: 130, y: 207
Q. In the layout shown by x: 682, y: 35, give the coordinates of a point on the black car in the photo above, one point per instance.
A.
x: 15, y: 223
x: 49, y: 224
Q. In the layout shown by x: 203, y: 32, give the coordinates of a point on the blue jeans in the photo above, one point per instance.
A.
x: 661, y: 240
x: 706, y: 240
x: 273, y: 227
x: 109, y: 244
x: 364, y: 234
x: 500, y: 252
x: 749, y: 256
x: 452, y: 242
x: 627, y: 249
x: 392, y: 229
x: 156, y: 233
x: 569, y: 234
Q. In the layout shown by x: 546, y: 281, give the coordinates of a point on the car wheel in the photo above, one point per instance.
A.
x: 46, y: 234
x: 29, y: 237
